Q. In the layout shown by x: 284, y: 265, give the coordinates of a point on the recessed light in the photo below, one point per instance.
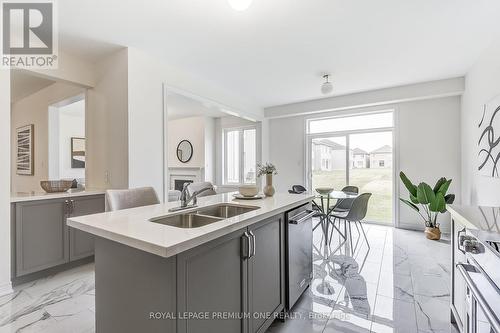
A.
x: 240, y: 5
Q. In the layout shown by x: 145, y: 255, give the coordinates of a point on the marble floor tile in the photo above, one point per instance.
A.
x: 393, y: 316
x: 430, y: 285
x: 433, y: 314
x: 398, y: 284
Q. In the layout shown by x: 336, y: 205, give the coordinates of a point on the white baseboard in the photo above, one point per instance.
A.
x: 6, y: 289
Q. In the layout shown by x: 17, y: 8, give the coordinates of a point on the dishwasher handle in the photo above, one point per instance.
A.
x: 298, y: 220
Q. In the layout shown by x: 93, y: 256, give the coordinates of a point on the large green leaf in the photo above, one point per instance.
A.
x: 438, y: 204
x: 444, y: 187
x: 440, y: 182
x: 425, y: 194
x: 408, y: 184
x: 412, y: 205
x: 414, y: 199
x: 449, y: 198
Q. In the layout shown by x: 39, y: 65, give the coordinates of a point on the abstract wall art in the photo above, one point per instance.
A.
x: 489, y: 139
x: 25, y: 149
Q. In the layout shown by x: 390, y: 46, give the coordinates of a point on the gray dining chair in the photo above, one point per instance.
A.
x: 355, y: 214
x: 136, y: 197
x: 345, y: 204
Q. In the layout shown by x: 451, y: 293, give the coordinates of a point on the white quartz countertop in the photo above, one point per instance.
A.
x: 477, y: 217
x: 32, y: 196
x: 133, y: 228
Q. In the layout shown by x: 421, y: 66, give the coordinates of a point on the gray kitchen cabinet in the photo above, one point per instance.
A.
x: 42, y: 239
x: 82, y: 243
x: 265, y: 273
x: 213, y: 278
x: 41, y: 235
x: 238, y: 275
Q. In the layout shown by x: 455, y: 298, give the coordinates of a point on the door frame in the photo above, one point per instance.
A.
x: 395, y: 151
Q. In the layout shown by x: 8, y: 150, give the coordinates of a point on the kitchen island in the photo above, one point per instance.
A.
x: 218, y: 267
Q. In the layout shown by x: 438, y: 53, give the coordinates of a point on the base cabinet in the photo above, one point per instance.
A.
x: 239, y: 275
x: 459, y: 289
x: 41, y: 237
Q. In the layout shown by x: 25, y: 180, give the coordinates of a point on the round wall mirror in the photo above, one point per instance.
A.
x: 184, y: 151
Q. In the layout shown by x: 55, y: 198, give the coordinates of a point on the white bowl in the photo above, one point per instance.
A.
x: 248, y: 190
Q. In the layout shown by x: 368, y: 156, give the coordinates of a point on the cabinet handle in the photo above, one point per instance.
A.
x: 66, y: 207
x: 246, y: 250
x: 253, y: 243
x: 72, y: 206
x: 310, y: 213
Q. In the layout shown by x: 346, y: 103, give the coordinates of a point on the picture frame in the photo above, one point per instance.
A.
x: 77, y: 153
x: 25, y: 148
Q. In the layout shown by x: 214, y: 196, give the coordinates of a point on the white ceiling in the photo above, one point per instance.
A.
x: 180, y: 106
x: 23, y: 84
x: 276, y: 51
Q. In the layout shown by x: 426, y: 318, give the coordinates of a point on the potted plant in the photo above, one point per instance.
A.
x: 268, y: 170
x: 428, y: 202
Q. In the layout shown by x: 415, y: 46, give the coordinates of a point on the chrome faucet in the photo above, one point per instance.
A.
x: 185, y: 198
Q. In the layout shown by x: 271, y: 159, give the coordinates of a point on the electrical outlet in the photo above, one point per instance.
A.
x: 106, y: 177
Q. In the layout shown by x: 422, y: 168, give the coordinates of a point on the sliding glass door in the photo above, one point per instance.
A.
x: 355, y: 150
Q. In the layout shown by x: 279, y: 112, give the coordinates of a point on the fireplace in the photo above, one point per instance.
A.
x: 179, y: 183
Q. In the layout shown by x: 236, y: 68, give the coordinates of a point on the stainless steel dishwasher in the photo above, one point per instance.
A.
x: 298, y: 252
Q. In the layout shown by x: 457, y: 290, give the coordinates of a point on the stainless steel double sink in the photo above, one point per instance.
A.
x: 204, y: 215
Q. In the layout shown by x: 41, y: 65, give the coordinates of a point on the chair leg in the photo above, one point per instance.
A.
x: 364, y: 234
x: 350, y: 238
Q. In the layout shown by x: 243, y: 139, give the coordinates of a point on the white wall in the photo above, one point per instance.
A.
x: 482, y: 83
x: 107, y: 160
x: 210, y: 149
x: 193, y: 130
x: 429, y: 146
x: 33, y: 109
x: 146, y: 125
x: 5, y: 286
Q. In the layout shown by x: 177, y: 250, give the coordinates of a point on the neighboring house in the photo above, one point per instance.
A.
x: 381, y: 158
x: 360, y: 159
x: 328, y: 155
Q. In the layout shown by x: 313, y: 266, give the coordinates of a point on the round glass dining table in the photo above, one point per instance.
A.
x: 326, y: 210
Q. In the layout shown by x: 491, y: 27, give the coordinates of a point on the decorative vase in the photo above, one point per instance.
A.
x: 433, y: 233
x: 269, y: 189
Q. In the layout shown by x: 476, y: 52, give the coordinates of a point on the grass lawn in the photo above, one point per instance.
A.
x: 376, y: 181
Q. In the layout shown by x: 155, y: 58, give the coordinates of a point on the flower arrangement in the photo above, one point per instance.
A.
x: 266, y: 169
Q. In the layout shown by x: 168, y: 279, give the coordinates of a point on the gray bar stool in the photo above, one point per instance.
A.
x: 136, y: 197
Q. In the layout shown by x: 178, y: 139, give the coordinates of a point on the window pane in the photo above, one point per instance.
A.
x: 249, y: 155
x: 329, y: 162
x: 233, y: 156
x: 371, y: 171
x: 349, y: 123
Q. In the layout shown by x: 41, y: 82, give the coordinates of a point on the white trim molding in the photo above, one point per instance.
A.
x: 406, y: 93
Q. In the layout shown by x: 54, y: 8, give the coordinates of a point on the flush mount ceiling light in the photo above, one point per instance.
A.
x: 240, y: 5
x: 327, y: 86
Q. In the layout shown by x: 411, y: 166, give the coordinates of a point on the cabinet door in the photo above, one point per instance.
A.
x: 212, y: 278
x: 459, y: 289
x: 81, y: 244
x: 265, y: 273
x: 41, y: 235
